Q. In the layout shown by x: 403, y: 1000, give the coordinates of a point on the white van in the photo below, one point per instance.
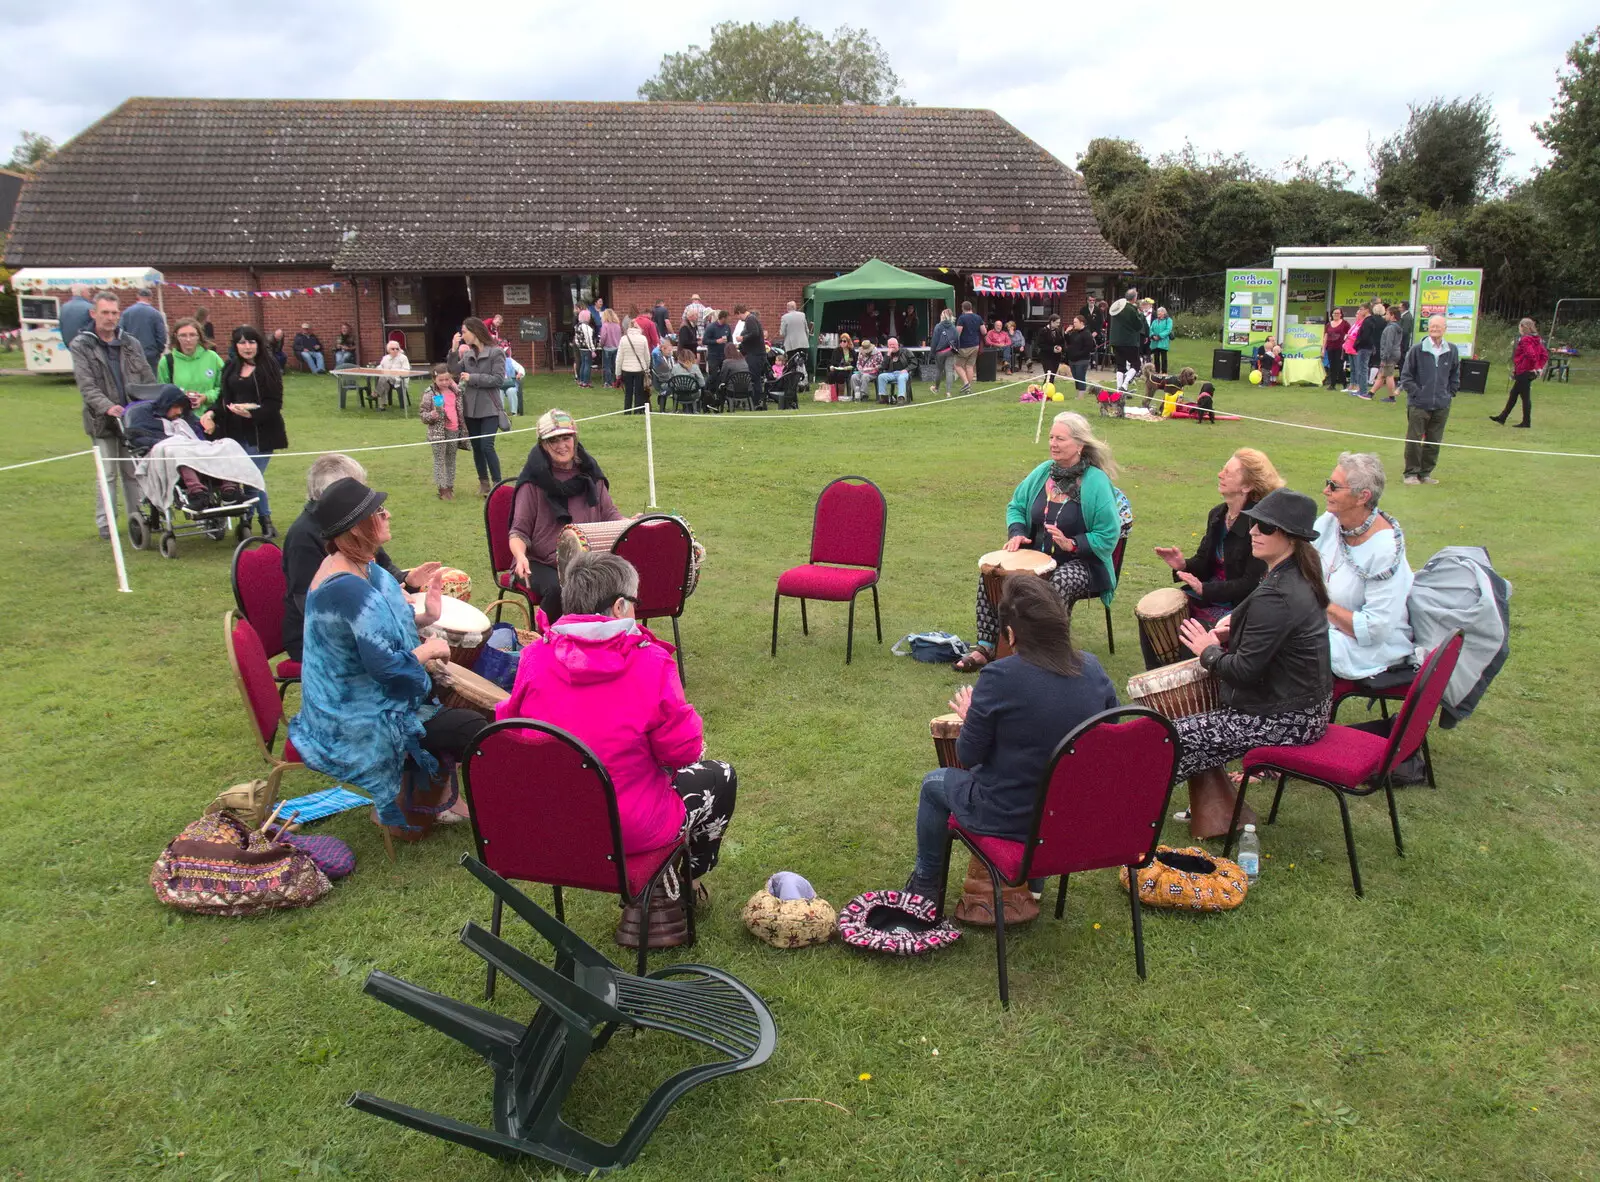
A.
x: 40, y: 294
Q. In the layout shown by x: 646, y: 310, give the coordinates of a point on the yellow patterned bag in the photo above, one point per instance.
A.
x: 1190, y: 879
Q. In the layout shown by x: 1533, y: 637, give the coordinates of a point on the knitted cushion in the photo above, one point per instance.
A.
x: 896, y: 923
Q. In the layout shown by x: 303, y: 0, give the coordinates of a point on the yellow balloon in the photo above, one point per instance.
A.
x: 1050, y: 390
x: 1255, y: 377
x: 1058, y: 397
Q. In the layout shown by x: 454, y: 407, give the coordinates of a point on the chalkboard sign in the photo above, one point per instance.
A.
x: 534, y: 328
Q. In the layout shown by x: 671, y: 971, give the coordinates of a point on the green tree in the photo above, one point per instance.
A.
x: 1448, y: 156
x: 1568, y: 189
x: 34, y: 147
x: 782, y: 62
x: 1240, y: 223
x: 1110, y: 164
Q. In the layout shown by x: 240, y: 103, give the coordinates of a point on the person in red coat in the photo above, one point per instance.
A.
x: 1528, y: 360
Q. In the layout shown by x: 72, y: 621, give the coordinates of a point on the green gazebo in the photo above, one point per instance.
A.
x: 872, y: 280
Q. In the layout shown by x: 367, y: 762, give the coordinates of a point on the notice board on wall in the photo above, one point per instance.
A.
x: 1252, y: 312
x: 1454, y: 295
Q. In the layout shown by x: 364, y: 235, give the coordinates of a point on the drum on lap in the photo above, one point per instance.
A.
x: 462, y: 689
x: 1176, y: 690
x: 1159, y: 613
x: 946, y: 732
x: 998, y: 565
x: 600, y: 537
x: 460, y: 625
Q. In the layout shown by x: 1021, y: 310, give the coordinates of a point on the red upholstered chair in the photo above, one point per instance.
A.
x: 1102, y: 800
x: 1378, y: 689
x: 1116, y: 572
x: 258, y: 592
x: 544, y: 810
x: 253, y: 675
x: 846, y: 555
x: 661, y: 550
x: 1351, y: 762
x: 497, y: 524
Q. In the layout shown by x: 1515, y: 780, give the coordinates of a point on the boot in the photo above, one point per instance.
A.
x: 483, y: 488
x: 977, y: 899
x: 441, y: 492
x: 268, y: 530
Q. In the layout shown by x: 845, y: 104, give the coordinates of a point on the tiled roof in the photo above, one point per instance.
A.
x: 445, y: 186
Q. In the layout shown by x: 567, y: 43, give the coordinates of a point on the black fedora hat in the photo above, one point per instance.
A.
x: 1294, y: 513
x: 343, y: 505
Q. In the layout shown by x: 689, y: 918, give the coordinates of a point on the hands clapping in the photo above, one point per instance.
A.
x: 1197, y: 637
x: 1170, y: 555
x: 962, y: 702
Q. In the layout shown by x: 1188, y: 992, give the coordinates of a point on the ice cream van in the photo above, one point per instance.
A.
x: 40, y: 294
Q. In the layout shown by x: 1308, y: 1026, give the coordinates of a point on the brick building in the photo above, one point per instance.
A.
x: 427, y: 212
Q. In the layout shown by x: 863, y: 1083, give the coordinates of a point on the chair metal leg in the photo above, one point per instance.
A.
x: 805, y: 628
x: 688, y: 894
x: 1272, y: 817
x: 877, y: 620
x: 1000, y: 939
x: 1349, y: 842
x: 644, y: 925
x: 1394, y: 817
x: 1061, y: 897
x: 944, y: 875
x: 1138, y: 921
x: 494, y: 930
x: 561, y: 912
x: 1427, y: 762
x: 775, y: 599
x: 677, y: 643
x: 1238, y: 810
x: 1111, y: 640
x: 850, y: 631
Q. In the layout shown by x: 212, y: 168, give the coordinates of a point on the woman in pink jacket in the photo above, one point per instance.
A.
x: 1528, y: 360
x: 602, y: 676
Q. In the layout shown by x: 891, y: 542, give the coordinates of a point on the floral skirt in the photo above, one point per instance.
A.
x: 1214, y: 738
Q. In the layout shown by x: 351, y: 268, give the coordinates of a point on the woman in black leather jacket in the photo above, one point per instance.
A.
x: 1271, y: 656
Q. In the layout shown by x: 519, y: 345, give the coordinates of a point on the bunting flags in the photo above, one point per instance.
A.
x: 234, y: 294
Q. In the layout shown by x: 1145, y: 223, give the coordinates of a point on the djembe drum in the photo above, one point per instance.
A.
x: 462, y: 689
x: 977, y: 889
x: 597, y: 537
x: 463, y: 627
x: 1178, y: 691
x: 995, y: 567
x: 1159, y: 613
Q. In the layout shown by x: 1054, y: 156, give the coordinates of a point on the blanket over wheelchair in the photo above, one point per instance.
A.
x: 221, y: 459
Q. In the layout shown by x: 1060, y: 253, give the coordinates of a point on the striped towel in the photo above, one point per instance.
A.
x: 322, y: 804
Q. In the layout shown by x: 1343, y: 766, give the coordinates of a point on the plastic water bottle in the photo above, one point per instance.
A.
x: 1250, y: 853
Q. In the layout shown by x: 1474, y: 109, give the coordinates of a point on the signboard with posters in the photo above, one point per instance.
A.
x: 1013, y: 284
x: 1305, y: 312
x: 1252, y: 312
x: 1354, y: 287
x: 1453, y: 295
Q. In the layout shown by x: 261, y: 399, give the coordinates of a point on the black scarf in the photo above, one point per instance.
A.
x: 1068, y: 480
x: 585, y: 481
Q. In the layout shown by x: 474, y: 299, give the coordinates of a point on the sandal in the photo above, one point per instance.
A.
x: 977, y: 657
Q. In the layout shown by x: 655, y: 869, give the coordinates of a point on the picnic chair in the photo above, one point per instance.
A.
x: 517, y: 769
x: 1102, y: 800
x: 847, y: 535
x: 741, y: 391
x: 497, y: 525
x: 1352, y: 762
x: 583, y: 1000
x: 684, y: 392
x: 661, y: 550
x: 258, y: 592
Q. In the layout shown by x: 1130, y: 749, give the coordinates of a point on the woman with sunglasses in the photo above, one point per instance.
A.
x: 367, y: 715
x: 1271, y: 657
x: 1364, y: 567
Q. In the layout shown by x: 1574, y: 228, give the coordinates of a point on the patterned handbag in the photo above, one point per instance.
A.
x: 1190, y: 879
x: 218, y: 865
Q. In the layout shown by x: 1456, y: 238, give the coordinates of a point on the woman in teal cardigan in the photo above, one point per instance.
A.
x: 1160, y: 339
x: 1066, y: 508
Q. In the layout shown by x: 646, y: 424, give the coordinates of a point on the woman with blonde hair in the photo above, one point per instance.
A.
x: 1223, y: 569
x: 1528, y: 360
x: 1066, y: 508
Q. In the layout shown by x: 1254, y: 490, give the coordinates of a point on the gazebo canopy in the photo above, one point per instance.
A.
x: 872, y: 280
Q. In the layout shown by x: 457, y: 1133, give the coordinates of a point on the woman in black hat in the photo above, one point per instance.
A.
x: 366, y: 711
x: 1271, y: 656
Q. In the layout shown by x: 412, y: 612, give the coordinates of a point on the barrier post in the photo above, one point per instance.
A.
x: 1040, y: 427
x: 650, y: 453
x: 111, y: 519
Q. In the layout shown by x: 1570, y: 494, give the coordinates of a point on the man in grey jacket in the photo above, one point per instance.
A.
x: 1430, y: 377
x: 145, y: 321
x: 105, y: 362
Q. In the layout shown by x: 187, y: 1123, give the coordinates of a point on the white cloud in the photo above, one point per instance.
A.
x: 1192, y: 72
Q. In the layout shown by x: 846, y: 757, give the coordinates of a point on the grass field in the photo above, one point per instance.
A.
x: 1443, y: 1027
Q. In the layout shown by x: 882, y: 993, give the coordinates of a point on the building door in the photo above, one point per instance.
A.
x: 449, y: 303
x: 405, y: 316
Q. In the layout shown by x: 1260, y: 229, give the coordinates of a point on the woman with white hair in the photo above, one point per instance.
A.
x: 1066, y: 508
x: 1364, y: 567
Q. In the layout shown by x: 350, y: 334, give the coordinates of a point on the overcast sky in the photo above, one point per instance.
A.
x: 1292, y: 86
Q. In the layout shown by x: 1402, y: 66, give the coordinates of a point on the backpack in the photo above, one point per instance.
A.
x: 931, y: 647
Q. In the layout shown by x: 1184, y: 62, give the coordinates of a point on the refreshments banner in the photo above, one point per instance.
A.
x: 1453, y: 295
x: 1010, y: 284
x: 1252, y: 314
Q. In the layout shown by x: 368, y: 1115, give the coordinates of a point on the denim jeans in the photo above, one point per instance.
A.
x: 933, y: 815
x: 900, y: 377
x: 1080, y: 374
x: 585, y: 365
x: 608, y: 366
x: 1005, y: 356
x: 260, y: 459
x: 1363, y: 369
x: 312, y: 361
x: 342, y: 358
x: 944, y: 372
x: 484, y: 456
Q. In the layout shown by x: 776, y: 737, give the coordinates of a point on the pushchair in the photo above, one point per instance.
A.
x: 787, y: 373
x: 189, y: 486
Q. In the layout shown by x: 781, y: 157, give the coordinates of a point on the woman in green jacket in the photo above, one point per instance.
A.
x: 1066, y: 508
x: 190, y: 366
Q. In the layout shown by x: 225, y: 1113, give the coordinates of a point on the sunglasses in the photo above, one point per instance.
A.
x: 1265, y: 528
x: 1335, y: 486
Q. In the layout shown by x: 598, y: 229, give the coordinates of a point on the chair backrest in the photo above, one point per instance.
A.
x: 253, y: 675
x: 660, y: 549
x: 1104, y: 794
x: 497, y: 524
x: 683, y: 383
x: 543, y: 807
x: 1421, y: 703
x: 398, y: 338
x: 740, y: 384
x: 259, y: 588
x: 1116, y: 555
x: 849, y: 523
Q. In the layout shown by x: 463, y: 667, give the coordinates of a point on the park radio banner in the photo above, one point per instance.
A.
x: 1305, y: 313
x: 1354, y: 287
x: 1252, y: 309
x: 1453, y: 295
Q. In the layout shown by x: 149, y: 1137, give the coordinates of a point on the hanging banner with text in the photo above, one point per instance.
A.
x: 1453, y: 295
x: 1351, y: 288
x: 1305, y: 313
x: 1016, y: 285
x: 1252, y: 309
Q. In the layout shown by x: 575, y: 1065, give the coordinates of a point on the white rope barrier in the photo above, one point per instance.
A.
x: 71, y: 455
